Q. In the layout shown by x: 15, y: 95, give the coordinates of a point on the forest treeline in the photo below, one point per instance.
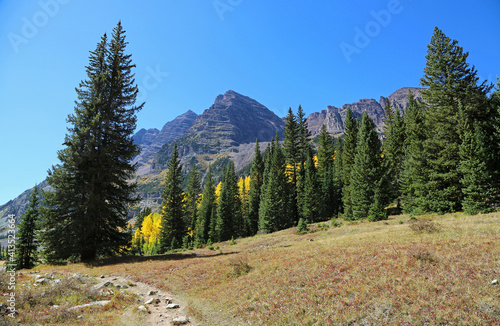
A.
x: 440, y: 156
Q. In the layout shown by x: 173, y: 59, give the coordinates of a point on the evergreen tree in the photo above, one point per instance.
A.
x: 212, y: 232
x: 348, y: 154
x: 366, y: 171
x: 304, y: 146
x: 377, y: 210
x: 310, y: 196
x: 243, y: 189
x: 412, y: 175
x: 450, y: 81
x: 256, y: 175
x: 86, y: 215
x: 337, y: 178
x: 479, y: 160
x: 229, y: 223
x: 293, y: 156
x: 193, y: 190
x: 393, y: 151
x: 326, y: 152
x: 304, y: 137
x: 172, y: 223
x: 26, y: 245
x: 275, y: 198
x: 207, y: 206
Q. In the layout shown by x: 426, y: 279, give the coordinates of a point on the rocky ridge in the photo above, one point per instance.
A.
x: 333, y: 118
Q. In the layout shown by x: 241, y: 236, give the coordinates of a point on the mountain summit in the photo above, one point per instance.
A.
x: 236, y: 119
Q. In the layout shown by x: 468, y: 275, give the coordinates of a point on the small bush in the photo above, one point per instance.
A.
x: 302, y: 227
x: 424, y: 226
x: 422, y: 254
x: 240, y: 266
x: 232, y: 243
x: 324, y: 227
x: 401, y: 222
x: 336, y: 223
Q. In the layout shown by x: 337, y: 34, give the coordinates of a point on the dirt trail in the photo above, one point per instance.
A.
x: 158, y: 312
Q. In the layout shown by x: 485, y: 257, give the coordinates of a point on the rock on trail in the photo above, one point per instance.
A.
x: 154, y: 302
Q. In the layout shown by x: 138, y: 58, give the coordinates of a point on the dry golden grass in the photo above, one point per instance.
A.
x: 48, y: 304
x: 359, y: 273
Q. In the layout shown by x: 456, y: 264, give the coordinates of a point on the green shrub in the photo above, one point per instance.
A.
x: 302, y: 227
x: 336, y: 223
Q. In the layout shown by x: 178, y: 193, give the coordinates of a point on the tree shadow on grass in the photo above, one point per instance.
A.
x: 164, y: 257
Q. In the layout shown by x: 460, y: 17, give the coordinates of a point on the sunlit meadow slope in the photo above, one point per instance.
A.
x: 356, y: 273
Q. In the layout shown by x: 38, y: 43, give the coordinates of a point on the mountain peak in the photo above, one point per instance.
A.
x: 228, y: 97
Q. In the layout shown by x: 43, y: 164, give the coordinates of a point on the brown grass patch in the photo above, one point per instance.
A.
x: 422, y: 254
x: 424, y: 226
x: 240, y: 265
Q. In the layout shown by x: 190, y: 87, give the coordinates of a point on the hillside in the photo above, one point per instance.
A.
x: 358, y: 273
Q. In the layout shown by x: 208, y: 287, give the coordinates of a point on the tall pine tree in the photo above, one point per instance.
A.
x: 275, y: 197
x: 86, y: 215
x: 366, y: 171
x: 450, y: 81
x: 293, y: 157
x: 393, y: 151
x: 479, y: 153
x: 229, y: 223
x: 256, y: 175
x: 412, y: 175
x: 193, y: 190
x: 310, y: 210
x: 326, y: 152
x: 337, y: 177
x: 173, y: 228
x: 348, y: 154
x: 207, y: 207
x: 26, y: 245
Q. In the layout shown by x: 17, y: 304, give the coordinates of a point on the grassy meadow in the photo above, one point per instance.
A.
x: 437, y: 270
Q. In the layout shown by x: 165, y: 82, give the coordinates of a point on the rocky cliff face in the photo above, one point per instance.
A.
x: 235, y: 119
x: 399, y: 98
x: 152, y: 140
x: 333, y: 118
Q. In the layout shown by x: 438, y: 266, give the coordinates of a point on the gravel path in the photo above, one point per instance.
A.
x: 158, y: 313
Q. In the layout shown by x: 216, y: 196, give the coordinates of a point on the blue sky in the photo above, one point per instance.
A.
x: 281, y: 53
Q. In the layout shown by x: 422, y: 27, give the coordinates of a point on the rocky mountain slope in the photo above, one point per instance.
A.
x: 152, y: 140
x: 333, y: 118
x: 224, y: 129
